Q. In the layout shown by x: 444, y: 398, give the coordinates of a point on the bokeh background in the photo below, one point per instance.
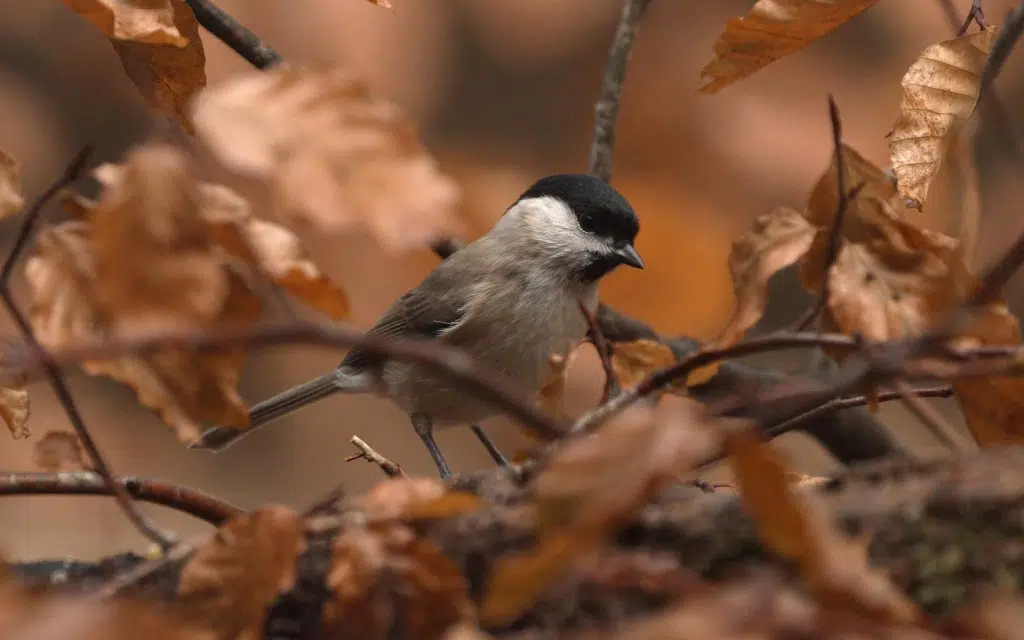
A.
x: 503, y: 93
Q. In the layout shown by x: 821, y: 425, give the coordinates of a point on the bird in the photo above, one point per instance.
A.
x: 510, y: 299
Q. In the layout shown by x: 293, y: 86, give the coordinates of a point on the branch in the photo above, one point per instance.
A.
x: 87, y: 483
x: 234, y: 34
x: 929, y: 417
x: 450, y: 361
x: 606, y: 111
x: 52, y: 371
x: 975, y: 15
x: 604, y: 352
x: 366, y: 452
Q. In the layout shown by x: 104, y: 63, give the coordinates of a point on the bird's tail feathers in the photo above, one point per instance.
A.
x: 284, y: 403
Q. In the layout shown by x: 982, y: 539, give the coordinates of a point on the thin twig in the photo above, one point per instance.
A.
x: 951, y: 13
x: 454, y: 363
x: 606, y: 111
x: 234, y: 34
x: 927, y: 414
x: 87, y: 483
x: 180, y: 551
x: 51, y: 370
x: 604, y: 352
x: 366, y: 452
x: 976, y: 15
x: 664, y: 377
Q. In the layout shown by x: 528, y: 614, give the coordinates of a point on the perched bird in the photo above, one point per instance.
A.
x: 510, y: 299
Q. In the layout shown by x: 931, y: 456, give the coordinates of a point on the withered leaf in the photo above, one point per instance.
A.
x: 773, y: 29
x: 14, y: 399
x: 148, y: 21
x: 59, y: 451
x: 11, y: 200
x: 634, y: 361
x: 775, y: 241
x: 335, y: 156
x: 370, y: 566
x: 795, y: 526
x: 551, y: 397
x: 393, y: 498
x: 168, y: 75
x: 382, y: 3
x: 939, y: 93
x: 231, y: 581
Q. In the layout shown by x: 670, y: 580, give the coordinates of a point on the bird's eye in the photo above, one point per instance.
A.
x: 588, y: 223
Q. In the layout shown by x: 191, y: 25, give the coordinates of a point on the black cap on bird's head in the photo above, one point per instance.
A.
x: 600, y: 211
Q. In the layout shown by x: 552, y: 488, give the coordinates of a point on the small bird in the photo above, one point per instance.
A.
x: 510, y: 299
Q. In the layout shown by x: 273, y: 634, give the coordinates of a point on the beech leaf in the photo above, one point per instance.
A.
x: 14, y: 399
x: 773, y: 29
x: 147, y: 21
x: 59, y: 451
x: 775, y: 241
x: 335, y: 156
x: 11, y: 200
x: 939, y: 93
x: 551, y: 397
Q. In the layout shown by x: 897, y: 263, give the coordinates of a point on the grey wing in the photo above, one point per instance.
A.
x: 419, y: 313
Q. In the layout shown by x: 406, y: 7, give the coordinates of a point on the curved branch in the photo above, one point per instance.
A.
x: 87, y: 483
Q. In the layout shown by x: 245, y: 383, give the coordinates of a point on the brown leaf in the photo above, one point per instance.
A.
x: 335, y: 156
x: 382, y: 3
x: 795, y: 527
x: 773, y: 29
x: 15, y: 406
x: 939, y: 93
x: 633, y: 361
x: 11, y: 200
x: 168, y: 75
x: 776, y: 241
x: 148, y: 21
x: 385, y: 578
x: 551, y: 397
x: 230, y: 583
x: 59, y: 451
x: 275, y: 251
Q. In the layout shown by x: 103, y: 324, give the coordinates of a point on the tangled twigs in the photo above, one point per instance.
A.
x: 606, y: 111
x: 975, y: 15
x: 51, y: 370
x: 87, y: 483
x: 368, y: 453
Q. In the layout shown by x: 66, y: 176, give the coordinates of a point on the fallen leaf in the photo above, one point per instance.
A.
x: 775, y: 241
x: 15, y: 407
x: 167, y: 75
x: 335, y: 156
x: 773, y: 29
x: 275, y: 251
x: 796, y: 527
x: 11, y: 200
x: 148, y: 21
x: 230, y: 582
x: 59, y: 451
x: 939, y: 93
x: 385, y: 578
x: 551, y: 397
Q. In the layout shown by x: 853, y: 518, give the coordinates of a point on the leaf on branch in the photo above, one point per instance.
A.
x: 775, y: 241
x: 11, y: 200
x: 790, y: 523
x: 415, y: 498
x: 335, y: 156
x: 370, y: 566
x: 551, y: 397
x: 14, y: 400
x: 168, y: 76
x: 230, y: 583
x: 772, y: 29
x: 939, y: 93
x: 59, y: 451
x: 148, y: 21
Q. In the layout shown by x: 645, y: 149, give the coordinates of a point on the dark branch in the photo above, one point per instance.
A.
x: 234, y: 34
x: 604, y: 352
x: 87, y: 483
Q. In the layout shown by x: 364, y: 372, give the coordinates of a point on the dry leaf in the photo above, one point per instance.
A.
x: 385, y: 578
x: 14, y: 400
x: 382, y: 3
x: 230, y: 582
x: 775, y: 241
x: 275, y: 251
x: 148, y: 21
x: 335, y: 156
x: 168, y: 76
x: 939, y: 93
x: 634, y: 361
x: 392, y: 498
x: 11, y: 200
x: 59, y: 451
x: 773, y: 29
x: 794, y: 526
x: 551, y: 397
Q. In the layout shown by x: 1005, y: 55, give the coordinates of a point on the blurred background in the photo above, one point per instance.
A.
x: 503, y: 93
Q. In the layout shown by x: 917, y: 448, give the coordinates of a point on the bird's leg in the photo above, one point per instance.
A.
x: 425, y: 430
x: 496, y: 455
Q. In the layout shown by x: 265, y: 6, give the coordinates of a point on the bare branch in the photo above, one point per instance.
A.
x: 52, y: 371
x: 604, y: 352
x: 87, y: 483
x: 366, y: 452
x: 234, y: 34
x: 606, y: 111
x: 929, y: 417
x: 975, y: 15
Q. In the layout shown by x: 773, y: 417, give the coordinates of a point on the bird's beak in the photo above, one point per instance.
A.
x: 629, y: 256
